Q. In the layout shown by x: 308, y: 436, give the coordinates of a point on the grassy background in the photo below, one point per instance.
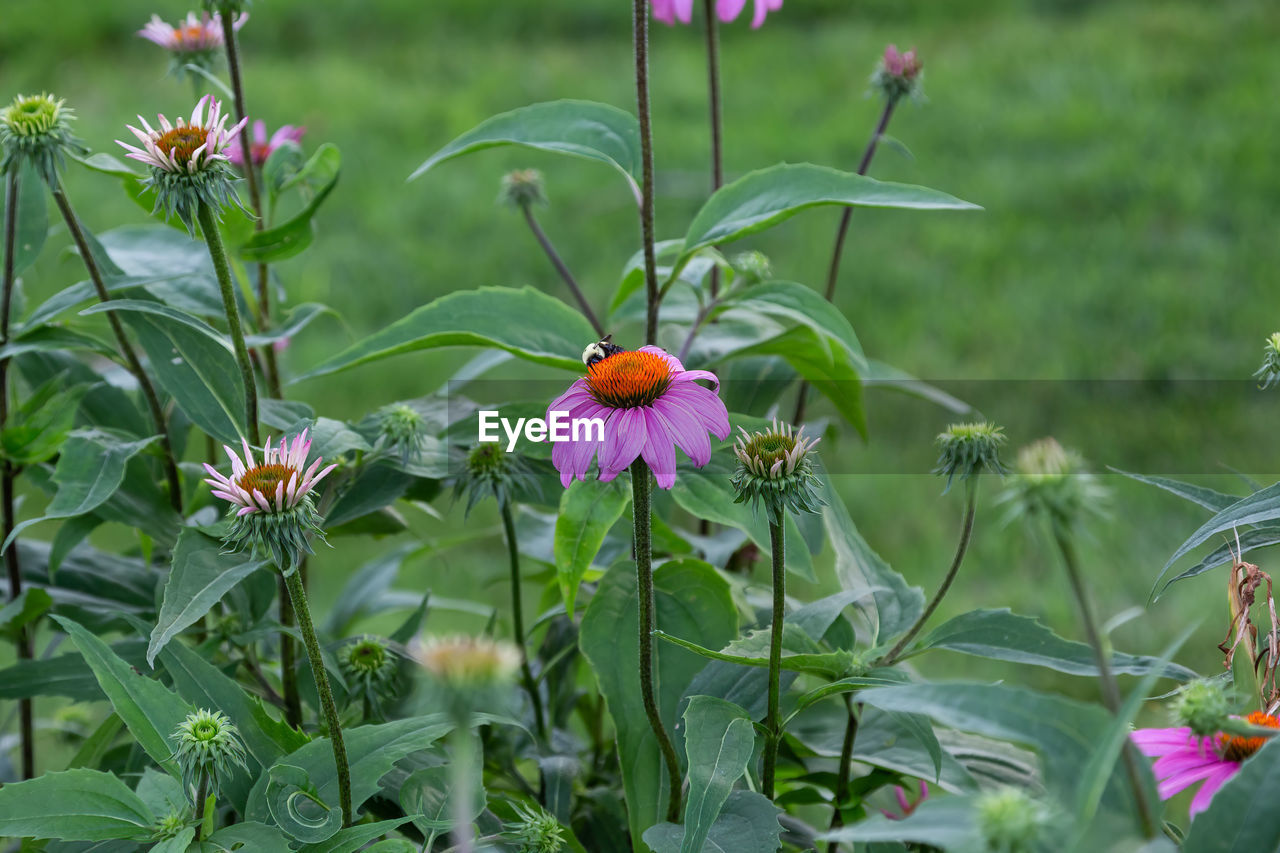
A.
x: 1124, y: 152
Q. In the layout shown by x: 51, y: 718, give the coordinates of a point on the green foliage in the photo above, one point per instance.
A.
x: 75, y: 805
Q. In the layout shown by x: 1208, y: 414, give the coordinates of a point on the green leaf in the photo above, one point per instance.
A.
x: 354, y: 838
x: 30, y: 605
x: 525, y: 322
x: 881, y: 375
x: 107, y: 164
x: 766, y: 197
x: 427, y: 797
x: 37, y: 430
x: 692, y: 600
x: 148, y: 708
x: 74, y: 805
x: 799, y: 653
x: 90, y: 469
x: 1242, y: 817
x: 296, y: 805
x: 247, y: 836
x: 291, y: 237
x: 719, y: 741
x: 890, y: 740
x: 1205, y: 497
x: 298, y: 318
x: 32, y: 223
x: 1262, y: 536
x: 1263, y: 505
x: 200, y: 576
x: 64, y: 675
x: 1002, y: 635
x: 747, y: 824
x: 582, y: 129
x: 588, y: 511
x: 947, y: 823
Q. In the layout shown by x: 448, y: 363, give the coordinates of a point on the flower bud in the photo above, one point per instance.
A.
x: 535, y: 832
x: 207, y: 743
x: 898, y: 74
x: 1202, y: 706
x: 522, y: 188
x: 468, y: 672
x: 1010, y: 821
x: 967, y: 449
x: 775, y: 469
x: 401, y: 429
x: 369, y: 667
x: 1051, y: 480
x: 36, y: 129
x: 488, y: 470
x: 1269, y: 374
x: 169, y: 826
x: 752, y: 267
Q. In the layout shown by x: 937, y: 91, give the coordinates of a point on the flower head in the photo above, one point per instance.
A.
x: 1010, y: 820
x: 462, y: 661
x: 967, y: 449
x: 650, y: 405
x: 188, y: 160
x: 487, y: 470
x: 1053, y: 481
x: 207, y: 742
x: 906, y: 806
x: 775, y: 469
x: 1202, y: 706
x: 1184, y: 758
x: 522, y: 188
x: 195, y: 35
x: 261, y: 147
x: 36, y: 129
x: 752, y: 267
x: 898, y: 74
x: 668, y: 11
x: 1269, y: 374
x: 535, y: 831
x: 272, y: 504
x: 401, y: 429
x: 370, y: 667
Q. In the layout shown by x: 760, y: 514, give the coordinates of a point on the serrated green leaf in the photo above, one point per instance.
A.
x: 588, y: 511
x: 1258, y: 507
x: 354, y: 838
x: 73, y: 805
x: 747, y: 824
x: 799, y: 653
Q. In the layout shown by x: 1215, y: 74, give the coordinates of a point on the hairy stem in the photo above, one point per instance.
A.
x: 773, y: 720
x: 845, y: 767
x: 517, y: 610
x: 640, y: 8
x: 327, y: 706
x: 966, y: 533
x: 202, y: 803
x: 559, y: 264
x: 126, y: 349
x: 1106, y: 679
x: 218, y: 252
x: 289, y: 657
x: 712, y: 33
x: 9, y: 473
x: 641, y: 494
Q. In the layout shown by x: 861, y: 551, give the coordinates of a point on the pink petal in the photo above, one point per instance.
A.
x: 1210, y: 787
x: 624, y: 438
x: 659, y: 449
x: 686, y: 430
x: 1174, y: 784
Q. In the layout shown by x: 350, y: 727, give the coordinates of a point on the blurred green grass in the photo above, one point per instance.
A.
x: 1123, y: 151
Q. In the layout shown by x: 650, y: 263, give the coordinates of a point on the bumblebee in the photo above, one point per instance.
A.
x: 600, y: 350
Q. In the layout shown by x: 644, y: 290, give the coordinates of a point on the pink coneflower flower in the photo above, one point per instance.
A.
x: 669, y: 11
x: 906, y: 805
x: 260, y: 148
x: 188, y: 147
x: 1183, y: 759
x: 650, y: 405
x: 898, y: 74
x: 901, y: 64
x: 194, y: 35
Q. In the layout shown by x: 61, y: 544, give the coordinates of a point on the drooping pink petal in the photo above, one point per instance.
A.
x: 659, y: 450
x: 686, y: 430
x: 624, y: 437
x: 1185, y: 779
x: 1212, y: 783
x: 1153, y: 742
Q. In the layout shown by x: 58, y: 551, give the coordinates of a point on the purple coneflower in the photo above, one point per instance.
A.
x: 669, y: 11
x: 188, y: 147
x: 201, y: 34
x: 1183, y: 759
x: 260, y: 147
x: 906, y: 805
x: 898, y: 74
x: 650, y: 405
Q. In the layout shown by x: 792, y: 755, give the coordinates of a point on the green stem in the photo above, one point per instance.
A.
x: 966, y: 534
x: 561, y: 267
x: 640, y: 10
x: 712, y: 33
x: 126, y: 348
x: 327, y: 705
x: 641, y: 495
x: 773, y: 720
x: 1106, y: 679
x: 460, y: 771
x: 846, y: 765
x: 202, y: 803
x: 517, y: 610
x: 289, y: 654
x: 218, y: 252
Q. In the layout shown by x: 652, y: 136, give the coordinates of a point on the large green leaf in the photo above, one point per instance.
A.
x: 719, y: 740
x: 1205, y: 497
x: 30, y: 605
x: 799, y: 653
x: 200, y: 575
x: 588, y: 510
x: 74, y: 805
x: 148, y: 708
x: 66, y: 675
x: 90, y: 468
x: 1263, y: 505
x: 1240, y: 543
x: 948, y: 824
x: 766, y: 197
x: 691, y: 600
x: 290, y: 238
x: 33, y: 220
x: 583, y: 129
x: 525, y: 322
x: 246, y: 836
x: 354, y: 838
x: 1243, y: 817
x: 1003, y: 635
x: 748, y: 823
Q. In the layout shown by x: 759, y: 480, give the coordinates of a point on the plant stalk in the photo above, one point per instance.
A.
x: 641, y: 496
x: 517, y: 610
x: 460, y: 797
x: 845, y: 767
x: 1106, y: 679
x: 773, y: 719
x: 126, y: 349
x: 640, y: 8
x: 202, y: 803
x: 712, y: 33
x: 218, y: 252
x: 561, y: 267
x: 327, y: 705
x: 8, y: 473
x: 289, y: 656
x: 966, y: 534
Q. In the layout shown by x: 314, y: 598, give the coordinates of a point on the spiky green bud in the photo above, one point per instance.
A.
x: 1052, y: 481
x: 1010, y: 821
x: 401, y: 430
x: 169, y: 826
x: 752, y: 267
x: 522, y: 188
x: 775, y: 470
x: 36, y: 129
x: 1269, y: 374
x: 206, y: 742
x: 1203, y: 706
x: 535, y: 831
x: 966, y: 450
x: 370, y: 667
x: 489, y: 471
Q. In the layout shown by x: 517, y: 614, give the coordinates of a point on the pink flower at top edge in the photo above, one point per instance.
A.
x: 669, y: 11
x: 260, y: 147
x: 193, y: 35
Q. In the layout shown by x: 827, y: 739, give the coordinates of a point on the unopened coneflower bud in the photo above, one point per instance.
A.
x: 522, y: 188
x: 36, y: 129
x: 488, y: 470
x: 775, y: 470
x: 752, y: 267
x: 1010, y: 821
x: 535, y: 831
x: 966, y: 450
x: 1202, y: 706
x: 899, y: 74
x: 461, y: 662
x: 1269, y: 374
x: 169, y: 826
x: 401, y: 429
x: 1052, y: 480
x: 206, y: 743
x: 370, y: 667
